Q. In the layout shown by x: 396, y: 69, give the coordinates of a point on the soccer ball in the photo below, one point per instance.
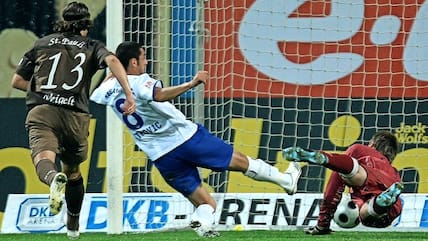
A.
x: 347, y: 213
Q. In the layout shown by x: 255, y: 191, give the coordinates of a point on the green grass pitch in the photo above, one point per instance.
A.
x: 188, y: 235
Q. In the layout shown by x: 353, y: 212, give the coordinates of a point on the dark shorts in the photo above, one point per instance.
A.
x: 63, y: 131
x: 179, y: 167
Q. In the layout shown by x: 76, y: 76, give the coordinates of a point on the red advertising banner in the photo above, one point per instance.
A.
x: 341, y: 48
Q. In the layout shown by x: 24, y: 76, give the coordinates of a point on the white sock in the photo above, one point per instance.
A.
x: 204, y: 213
x: 353, y: 172
x: 262, y: 171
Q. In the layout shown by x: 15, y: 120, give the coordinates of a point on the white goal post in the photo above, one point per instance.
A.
x: 317, y: 74
x: 114, y: 33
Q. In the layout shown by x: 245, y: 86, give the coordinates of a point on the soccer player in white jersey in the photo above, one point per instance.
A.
x: 178, y: 146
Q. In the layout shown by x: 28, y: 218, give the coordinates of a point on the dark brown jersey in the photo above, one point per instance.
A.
x: 60, y: 67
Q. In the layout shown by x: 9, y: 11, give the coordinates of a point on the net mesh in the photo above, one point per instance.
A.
x: 317, y: 74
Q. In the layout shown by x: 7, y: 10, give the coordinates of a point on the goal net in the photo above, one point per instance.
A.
x: 317, y: 74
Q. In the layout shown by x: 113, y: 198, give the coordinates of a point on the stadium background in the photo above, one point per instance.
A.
x: 403, y: 111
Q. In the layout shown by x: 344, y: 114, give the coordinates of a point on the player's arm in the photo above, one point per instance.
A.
x: 18, y: 82
x: 24, y: 72
x: 117, y: 69
x: 169, y: 93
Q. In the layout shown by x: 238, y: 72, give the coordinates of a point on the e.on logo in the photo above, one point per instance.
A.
x: 341, y: 47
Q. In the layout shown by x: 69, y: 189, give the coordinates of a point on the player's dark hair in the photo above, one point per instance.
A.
x: 386, y: 143
x: 127, y: 51
x: 76, y: 18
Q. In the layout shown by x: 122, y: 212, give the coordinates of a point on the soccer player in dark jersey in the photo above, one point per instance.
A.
x: 56, y: 74
x: 374, y: 183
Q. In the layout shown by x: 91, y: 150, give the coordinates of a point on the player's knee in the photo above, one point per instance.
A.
x: 73, y: 175
x: 358, y: 179
x: 75, y: 180
x: 72, y: 171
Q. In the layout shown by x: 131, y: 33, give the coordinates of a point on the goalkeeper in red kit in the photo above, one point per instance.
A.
x: 366, y: 169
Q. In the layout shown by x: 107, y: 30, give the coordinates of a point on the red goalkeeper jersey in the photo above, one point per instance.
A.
x: 380, y: 175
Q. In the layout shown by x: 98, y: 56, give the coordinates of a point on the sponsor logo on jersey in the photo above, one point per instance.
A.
x: 66, y: 41
x: 59, y: 100
x: 149, y: 130
x: 110, y: 92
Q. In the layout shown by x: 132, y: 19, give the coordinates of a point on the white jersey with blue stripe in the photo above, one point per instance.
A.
x: 157, y: 127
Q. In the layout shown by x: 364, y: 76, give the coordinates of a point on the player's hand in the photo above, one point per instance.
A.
x: 315, y: 230
x: 129, y: 105
x: 200, y: 78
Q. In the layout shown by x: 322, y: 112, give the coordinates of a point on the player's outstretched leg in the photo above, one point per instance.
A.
x: 389, y: 197
x: 262, y: 171
x: 293, y: 171
x: 57, y: 189
x: 304, y: 155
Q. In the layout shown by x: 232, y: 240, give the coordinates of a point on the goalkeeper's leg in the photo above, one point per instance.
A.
x: 380, y: 211
x: 345, y: 165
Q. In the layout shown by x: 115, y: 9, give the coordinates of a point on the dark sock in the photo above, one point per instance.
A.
x: 74, y: 192
x: 379, y: 209
x: 339, y: 163
x: 333, y: 191
x: 46, y: 170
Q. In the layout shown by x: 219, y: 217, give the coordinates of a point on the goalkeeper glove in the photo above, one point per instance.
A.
x: 315, y: 230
